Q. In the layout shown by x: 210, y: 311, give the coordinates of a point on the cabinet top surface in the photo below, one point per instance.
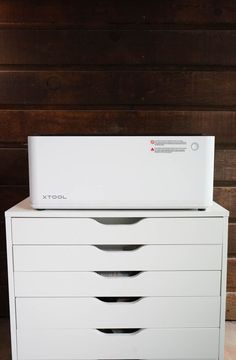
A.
x: 24, y: 209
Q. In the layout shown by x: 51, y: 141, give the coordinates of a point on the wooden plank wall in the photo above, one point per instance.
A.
x: 117, y: 67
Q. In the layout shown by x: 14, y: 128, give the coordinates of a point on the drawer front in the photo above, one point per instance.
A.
x: 151, y: 283
x: 147, y: 312
x: 90, y: 231
x: 163, y: 344
x: 91, y: 258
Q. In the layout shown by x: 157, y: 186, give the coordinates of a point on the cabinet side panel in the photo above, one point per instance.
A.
x: 223, y: 288
x: 11, y: 288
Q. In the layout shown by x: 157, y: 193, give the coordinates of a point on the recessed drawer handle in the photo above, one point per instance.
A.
x: 120, y: 331
x: 120, y: 299
x: 118, y: 247
x: 117, y: 221
x: 115, y: 274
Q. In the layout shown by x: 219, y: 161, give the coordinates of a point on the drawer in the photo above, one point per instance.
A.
x: 150, y: 283
x: 162, y: 344
x: 91, y: 258
x: 121, y: 231
x: 146, y: 312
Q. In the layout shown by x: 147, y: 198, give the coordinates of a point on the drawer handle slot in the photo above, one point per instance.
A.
x: 132, y: 331
x: 118, y: 247
x: 117, y: 220
x: 119, y: 299
x: 114, y: 274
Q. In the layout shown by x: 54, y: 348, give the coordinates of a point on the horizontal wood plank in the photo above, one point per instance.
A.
x: 225, y: 165
x: 231, y: 306
x: 232, y: 240
x: 9, y: 196
x: 118, y: 47
x: 13, y: 166
x: 16, y: 125
x: 119, y: 88
x: 5, y: 338
x: 231, y: 275
x: 3, y: 268
x: 226, y: 196
x: 2, y: 236
x: 108, y: 13
x: 4, y: 308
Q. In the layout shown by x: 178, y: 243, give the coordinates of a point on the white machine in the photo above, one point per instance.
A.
x: 121, y: 172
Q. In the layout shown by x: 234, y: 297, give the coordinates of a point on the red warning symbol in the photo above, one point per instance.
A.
x: 152, y: 149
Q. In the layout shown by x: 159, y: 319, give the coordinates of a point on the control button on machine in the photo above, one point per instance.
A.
x: 195, y: 146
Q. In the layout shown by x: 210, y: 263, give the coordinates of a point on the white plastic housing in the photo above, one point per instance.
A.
x: 121, y: 172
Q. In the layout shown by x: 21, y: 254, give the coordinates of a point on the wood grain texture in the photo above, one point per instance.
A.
x: 231, y: 306
x: 16, y: 125
x: 3, y: 268
x: 9, y: 196
x: 5, y: 343
x: 225, y: 165
x: 226, y: 196
x: 2, y: 237
x: 107, y: 13
x: 118, y: 47
x: 119, y: 88
x: 232, y: 240
x: 13, y: 166
x: 4, y: 308
x: 231, y: 278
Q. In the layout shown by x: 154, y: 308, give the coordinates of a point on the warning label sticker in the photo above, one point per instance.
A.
x: 168, y: 146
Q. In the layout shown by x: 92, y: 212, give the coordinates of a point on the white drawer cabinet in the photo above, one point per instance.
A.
x: 117, y: 284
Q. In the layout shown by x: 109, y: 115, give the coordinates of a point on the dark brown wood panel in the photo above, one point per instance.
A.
x: 9, y: 196
x: 14, y: 165
x: 118, y: 47
x: 226, y: 196
x: 119, y: 88
x: 105, y: 13
x: 5, y: 339
x: 16, y: 125
x: 4, y: 308
x: 231, y: 306
x: 225, y: 165
x: 232, y: 240
x: 3, y: 268
x: 2, y: 237
x: 231, y: 278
